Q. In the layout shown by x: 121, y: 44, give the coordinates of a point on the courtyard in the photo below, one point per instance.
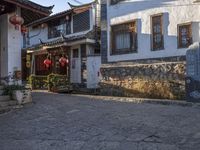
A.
x: 74, y: 122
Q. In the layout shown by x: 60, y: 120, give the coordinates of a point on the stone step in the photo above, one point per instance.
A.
x: 8, y: 103
x: 1, y: 92
x: 4, y: 98
x: 5, y: 109
x: 1, y: 87
x: 9, y: 108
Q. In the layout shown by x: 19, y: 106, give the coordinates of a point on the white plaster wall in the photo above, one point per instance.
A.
x: 11, y: 44
x: 174, y: 12
x: 38, y: 33
x: 93, y: 69
x: 14, y: 47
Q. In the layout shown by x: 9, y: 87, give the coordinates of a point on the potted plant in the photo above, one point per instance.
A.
x: 19, y: 93
x: 16, y: 90
x: 23, y: 96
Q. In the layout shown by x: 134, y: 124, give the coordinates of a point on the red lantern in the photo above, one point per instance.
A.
x: 16, y: 21
x: 24, y: 29
x: 47, y: 62
x: 63, y: 61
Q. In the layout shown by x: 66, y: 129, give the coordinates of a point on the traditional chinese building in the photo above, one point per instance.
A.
x: 144, y: 44
x: 13, y: 15
x: 66, y: 43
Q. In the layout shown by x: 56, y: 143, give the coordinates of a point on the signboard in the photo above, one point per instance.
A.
x: 28, y: 61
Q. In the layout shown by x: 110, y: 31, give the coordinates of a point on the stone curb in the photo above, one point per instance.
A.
x: 134, y: 100
x: 142, y: 100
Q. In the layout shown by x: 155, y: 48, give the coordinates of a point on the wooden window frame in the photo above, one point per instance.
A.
x: 179, y: 44
x: 114, y: 51
x: 153, y: 44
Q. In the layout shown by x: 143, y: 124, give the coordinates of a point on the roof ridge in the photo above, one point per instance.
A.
x: 46, y: 7
x: 60, y: 13
x: 77, y: 6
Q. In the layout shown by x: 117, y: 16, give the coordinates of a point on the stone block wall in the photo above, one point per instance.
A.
x: 158, y: 80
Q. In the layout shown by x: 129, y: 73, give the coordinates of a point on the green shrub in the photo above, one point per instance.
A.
x: 8, y: 90
x: 50, y: 82
x: 38, y: 82
x: 55, y: 81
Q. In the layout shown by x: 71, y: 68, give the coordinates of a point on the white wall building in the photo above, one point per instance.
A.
x: 11, y: 37
x: 72, y: 33
x: 153, y: 29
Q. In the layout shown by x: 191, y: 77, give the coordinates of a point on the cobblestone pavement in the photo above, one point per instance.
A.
x: 63, y: 122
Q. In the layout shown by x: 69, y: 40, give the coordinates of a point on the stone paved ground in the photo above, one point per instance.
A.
x: 62, y: 122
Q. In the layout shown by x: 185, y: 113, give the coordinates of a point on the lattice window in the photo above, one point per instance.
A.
x: 184, y: 35
x: 81, y: 22
x: 157, y: 32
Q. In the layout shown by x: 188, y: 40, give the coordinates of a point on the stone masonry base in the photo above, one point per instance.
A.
x: 158, y: 80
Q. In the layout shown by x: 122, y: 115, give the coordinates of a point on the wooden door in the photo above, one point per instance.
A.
x: 75, y: 66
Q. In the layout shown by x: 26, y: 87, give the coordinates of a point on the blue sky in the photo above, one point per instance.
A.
x: 60, y: 5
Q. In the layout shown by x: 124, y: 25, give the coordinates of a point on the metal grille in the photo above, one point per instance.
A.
x: 81, y: 22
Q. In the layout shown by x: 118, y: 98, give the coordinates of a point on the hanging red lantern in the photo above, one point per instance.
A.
x: 16, y: 21
x: 47, y: 62
x: 24, y: 29
x: 63, y: 61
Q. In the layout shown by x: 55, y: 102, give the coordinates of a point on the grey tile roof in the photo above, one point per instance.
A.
x: 60, y: 14
x: 45, y: 19
x: 113, y: 2
x: 61, y: 40
x: 47, y: 10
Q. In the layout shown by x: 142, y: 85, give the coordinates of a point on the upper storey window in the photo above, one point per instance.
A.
x: 157, y: 32
x: 124, y: 38
x: 81, y: 22
x: 184, y: 35
x: 58, y: 27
